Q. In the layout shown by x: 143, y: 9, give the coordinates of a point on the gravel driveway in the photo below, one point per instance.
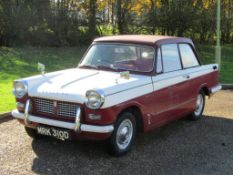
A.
x: 182, y: 147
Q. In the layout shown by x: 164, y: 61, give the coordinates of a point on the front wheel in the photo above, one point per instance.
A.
x: 123, y: 135
x: 200, y: 105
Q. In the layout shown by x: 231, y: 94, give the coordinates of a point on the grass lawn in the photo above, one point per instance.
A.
x: 207, y: 55
x: 22, y: 62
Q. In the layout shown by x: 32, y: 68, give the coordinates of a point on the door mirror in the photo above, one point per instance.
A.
x: 41, y: 68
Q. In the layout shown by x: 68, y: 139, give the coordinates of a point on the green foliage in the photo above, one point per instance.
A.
x: 73, y: 23
x: 45, y: 23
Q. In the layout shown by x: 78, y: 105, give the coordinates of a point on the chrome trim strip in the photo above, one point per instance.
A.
x: 77, y: 120
x: 26, y: 112
x: 216, y: 88
x: 83, y: 127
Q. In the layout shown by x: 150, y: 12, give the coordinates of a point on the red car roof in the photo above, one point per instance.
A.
x: 144, y: 39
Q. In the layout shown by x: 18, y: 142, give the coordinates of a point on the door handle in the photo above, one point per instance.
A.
x: 186, y: 76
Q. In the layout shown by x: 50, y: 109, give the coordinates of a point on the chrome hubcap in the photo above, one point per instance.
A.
x: 124, y: 134
x: 199, y: 105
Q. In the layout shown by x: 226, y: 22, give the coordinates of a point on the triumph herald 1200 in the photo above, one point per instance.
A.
x: 123, y: 85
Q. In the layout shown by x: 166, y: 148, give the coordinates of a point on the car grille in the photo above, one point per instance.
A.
x: 52, y: 107
x: 67, y: 109
x: 44, y: 106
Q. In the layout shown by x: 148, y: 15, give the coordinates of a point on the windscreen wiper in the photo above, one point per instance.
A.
x: 89, y: 66
x: 112, y: 67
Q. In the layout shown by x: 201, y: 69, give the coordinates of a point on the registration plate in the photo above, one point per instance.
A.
x: 58, y: 133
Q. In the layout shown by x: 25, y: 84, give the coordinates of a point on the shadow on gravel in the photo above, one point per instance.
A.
x: 5, y: 118
x: 182, y: 147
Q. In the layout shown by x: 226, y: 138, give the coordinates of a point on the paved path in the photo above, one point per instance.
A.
x: 182, y: 147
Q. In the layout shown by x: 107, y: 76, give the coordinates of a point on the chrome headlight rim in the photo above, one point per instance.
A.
x: 100, y: 101
x: 20, y: 93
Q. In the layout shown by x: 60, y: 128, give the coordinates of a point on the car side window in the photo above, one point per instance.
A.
x: 188, y: 58
x: 159, y: 66
x: 171, y: 58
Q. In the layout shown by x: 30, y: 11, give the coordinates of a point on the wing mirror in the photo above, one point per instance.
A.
x: 41, y: 68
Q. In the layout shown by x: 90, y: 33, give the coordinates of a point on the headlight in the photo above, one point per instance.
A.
x: 94, y: 99
x: 20, y: 89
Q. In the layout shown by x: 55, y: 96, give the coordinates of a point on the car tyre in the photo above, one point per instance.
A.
x: 200, y: 105
x: 123, y: 135
x: 32, y: 133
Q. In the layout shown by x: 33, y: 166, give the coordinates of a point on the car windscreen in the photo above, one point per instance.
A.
x: 120, y: 57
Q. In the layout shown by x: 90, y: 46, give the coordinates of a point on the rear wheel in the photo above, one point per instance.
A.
x: 123, y: 135
x: 200, y: 105
x: 32, y: 133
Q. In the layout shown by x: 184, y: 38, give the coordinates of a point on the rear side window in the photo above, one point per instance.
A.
x: 171, y: 58
x: 187, y: 56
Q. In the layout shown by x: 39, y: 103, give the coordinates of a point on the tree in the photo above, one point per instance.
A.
x: 92, y: 17
x: 72, y: 22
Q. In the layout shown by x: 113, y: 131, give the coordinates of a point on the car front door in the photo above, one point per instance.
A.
x: 171, y: 85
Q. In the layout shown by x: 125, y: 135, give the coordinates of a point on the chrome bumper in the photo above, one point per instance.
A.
x: 77, y: 126
x: 216, y: 88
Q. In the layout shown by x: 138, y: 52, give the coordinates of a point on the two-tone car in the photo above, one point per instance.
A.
x: 123, y: 85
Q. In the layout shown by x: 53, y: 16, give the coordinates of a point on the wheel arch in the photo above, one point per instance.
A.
x: 136, y: 111
x: 205, y: 89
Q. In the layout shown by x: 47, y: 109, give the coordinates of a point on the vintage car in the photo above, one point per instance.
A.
x: 123, y: 85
